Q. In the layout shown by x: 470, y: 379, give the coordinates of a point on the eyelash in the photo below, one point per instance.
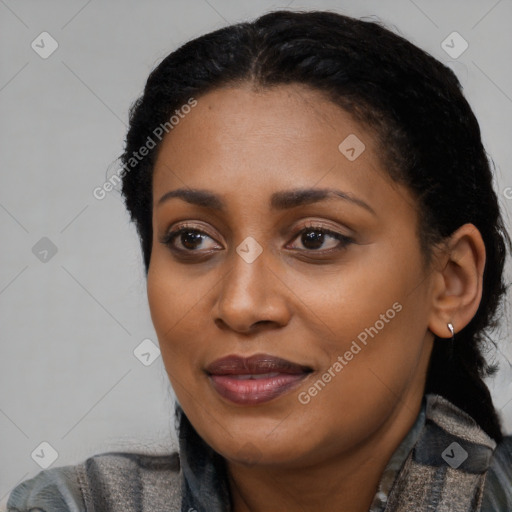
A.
x: 344, y: 240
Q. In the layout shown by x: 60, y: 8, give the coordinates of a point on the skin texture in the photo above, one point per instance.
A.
x: 296, y: 302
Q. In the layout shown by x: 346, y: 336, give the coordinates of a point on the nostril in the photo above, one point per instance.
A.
x: 264, y: 322
x: 220, y: 323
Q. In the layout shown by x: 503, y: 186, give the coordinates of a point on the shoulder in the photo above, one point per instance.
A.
x: 498, y: 486
x: 51, y: 489
x: 106, y: 482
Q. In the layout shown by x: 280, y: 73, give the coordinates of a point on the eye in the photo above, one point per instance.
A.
x: 314, y: 238
x: 189, y: 239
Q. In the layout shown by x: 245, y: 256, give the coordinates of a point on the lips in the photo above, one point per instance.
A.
x: 256, y: 379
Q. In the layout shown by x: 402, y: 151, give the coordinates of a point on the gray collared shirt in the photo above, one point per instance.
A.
x: 195, y: 480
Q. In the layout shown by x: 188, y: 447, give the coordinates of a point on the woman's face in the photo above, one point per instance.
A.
x: 269, y: 266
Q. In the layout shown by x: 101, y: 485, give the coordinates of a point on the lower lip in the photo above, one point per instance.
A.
x: 255, y: 391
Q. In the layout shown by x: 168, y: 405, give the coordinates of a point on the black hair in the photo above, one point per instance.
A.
x: 430, y: 142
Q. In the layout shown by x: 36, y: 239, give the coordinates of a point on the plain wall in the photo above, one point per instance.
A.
x: 70, y: 324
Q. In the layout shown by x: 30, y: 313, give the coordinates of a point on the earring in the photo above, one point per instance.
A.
x: 449, y: 347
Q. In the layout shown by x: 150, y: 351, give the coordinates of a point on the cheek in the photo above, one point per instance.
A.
x: 171, y: 309
x: 371, y: 313
x: 179, y: 302
x: 172, y: 293
x: 345, y: 300
x: 374, y: 358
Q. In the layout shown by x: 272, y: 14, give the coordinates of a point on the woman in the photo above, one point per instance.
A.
x: 324, y: 255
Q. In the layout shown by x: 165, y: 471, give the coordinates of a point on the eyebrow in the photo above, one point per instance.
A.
x: 282, y: 200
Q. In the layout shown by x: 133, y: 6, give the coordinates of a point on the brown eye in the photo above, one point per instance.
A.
x: 190, y: 239
x: 315, y: 238
x: 186, y: 239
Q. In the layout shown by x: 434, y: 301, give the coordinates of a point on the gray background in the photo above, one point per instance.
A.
x: 70, y: 324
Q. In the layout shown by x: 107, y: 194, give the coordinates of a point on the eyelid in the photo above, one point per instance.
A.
x: 325, y: 226
x: 177, y: 226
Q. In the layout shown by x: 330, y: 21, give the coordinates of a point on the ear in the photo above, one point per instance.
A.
x: 457, y: 281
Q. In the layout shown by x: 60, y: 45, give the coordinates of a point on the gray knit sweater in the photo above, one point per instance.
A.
x: 445, y: 463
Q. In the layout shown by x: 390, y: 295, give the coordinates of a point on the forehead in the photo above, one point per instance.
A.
x: 240, y: 141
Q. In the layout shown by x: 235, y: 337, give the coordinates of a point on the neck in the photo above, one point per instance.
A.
x: 340, y: 482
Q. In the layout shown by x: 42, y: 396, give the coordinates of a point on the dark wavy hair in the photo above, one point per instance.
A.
x: 430, y: 142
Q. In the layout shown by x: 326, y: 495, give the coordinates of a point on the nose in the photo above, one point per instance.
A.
x: 252, y: 297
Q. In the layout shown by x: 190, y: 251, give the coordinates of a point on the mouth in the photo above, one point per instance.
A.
x: 256, y: 379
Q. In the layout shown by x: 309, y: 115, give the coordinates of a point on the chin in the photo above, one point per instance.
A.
x: 261, y: 452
